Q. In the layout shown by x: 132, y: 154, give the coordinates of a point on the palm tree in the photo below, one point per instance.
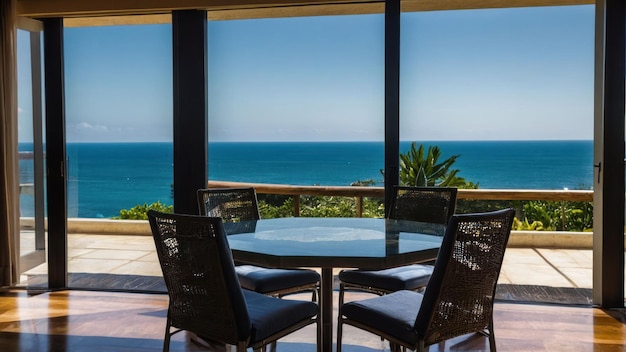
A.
x: 418, y: 168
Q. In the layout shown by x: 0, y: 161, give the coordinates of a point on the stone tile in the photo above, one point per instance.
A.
x: 582, y: 277
x: 113, y: 254
x: 575, y: 265
x: 534, y: 274
x: 139, y: 268
x: 112, y: 242
x: 77, y: 252
x: 522, y: 256
x: 144, y: 243
x: 504, y: 278
x: 100, y: 266
x: 40, y: 269
x: 149, y: 257
x: 564, y: 257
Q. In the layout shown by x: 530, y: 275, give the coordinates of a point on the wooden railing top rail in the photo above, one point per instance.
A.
x: 363, y: 191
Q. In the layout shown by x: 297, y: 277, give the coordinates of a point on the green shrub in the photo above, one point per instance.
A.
x: 140, y: 211
x: 318, y: 206
x: 271, y: 211
x: 526, y: 226
x: 561, y: 216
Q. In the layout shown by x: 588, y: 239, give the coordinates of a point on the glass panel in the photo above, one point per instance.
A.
x: 511, y: 104
x: 33, y: 266
x: 119, y: 148
x: 297, y: 101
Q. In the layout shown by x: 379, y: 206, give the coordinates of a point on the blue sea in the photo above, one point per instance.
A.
x: 107, y: 177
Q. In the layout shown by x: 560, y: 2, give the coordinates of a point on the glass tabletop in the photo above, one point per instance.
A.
x: 361, y: 242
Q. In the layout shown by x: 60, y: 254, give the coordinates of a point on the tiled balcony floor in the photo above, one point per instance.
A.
x: 135, y: 255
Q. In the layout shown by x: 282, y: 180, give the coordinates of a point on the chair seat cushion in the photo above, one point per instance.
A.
x: 393, y: 314
x: 409, y: 277
x: 265, y: 280
x: 269, y: 315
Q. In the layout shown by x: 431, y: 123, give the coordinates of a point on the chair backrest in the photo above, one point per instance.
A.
x: 204, y: 292
x: 460, y: 294
x: 426, y: 204
x: 230, y: 204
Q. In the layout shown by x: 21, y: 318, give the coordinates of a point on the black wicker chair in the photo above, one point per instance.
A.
x: 205, y: 297
x: 460, y: 294
x: 424, y: 204
x: 240, y: 205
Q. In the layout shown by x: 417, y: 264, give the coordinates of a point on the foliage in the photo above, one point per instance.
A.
x: 318, y: 206
x: 538, y: 215
x: 561, y: 216
x: 367, y: 183
x: 140, y: 212
x: 526, y: 226
x: 419, y: 167
x: 271, y: 211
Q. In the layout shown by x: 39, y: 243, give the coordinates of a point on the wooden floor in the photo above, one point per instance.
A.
x: 107, y: 321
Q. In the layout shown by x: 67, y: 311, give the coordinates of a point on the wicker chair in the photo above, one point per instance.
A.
x: 460, y: 294
x: 205, y: 297
x: 240, y: 205
x: 424, y: 204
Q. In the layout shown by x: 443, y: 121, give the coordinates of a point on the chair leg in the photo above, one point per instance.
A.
x: 319, y: 333
x: 492, y: 337
x: 339, y: 319
x: 168, y: 335
x: 341, y: 294
x: 339, y: 330
x: 394, y: 347
x: 442, y: 345
x: 420, y: 346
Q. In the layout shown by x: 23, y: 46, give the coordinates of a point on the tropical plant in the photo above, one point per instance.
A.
x: 526, y: 226
x: 561, y: 216
x: 419, y: 167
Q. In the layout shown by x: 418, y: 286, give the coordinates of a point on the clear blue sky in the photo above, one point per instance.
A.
x: 507, y: 74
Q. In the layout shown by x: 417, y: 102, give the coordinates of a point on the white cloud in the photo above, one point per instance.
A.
x: 91, y: 127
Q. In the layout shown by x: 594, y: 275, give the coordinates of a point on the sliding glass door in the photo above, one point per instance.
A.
x: 32, y: 239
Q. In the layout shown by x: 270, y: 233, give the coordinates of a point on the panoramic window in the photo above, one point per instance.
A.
x: 119, y: 142
x: 297, y: 101
x: 507, y: 96
x: 472, y: 79
x: 118, y: 117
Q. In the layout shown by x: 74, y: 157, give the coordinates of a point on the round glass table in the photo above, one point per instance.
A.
x: 329, y: 243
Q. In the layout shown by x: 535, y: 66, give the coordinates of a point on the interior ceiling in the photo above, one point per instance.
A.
x: 116, y: 12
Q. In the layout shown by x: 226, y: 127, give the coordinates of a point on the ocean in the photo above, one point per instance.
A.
x: 107, y: 177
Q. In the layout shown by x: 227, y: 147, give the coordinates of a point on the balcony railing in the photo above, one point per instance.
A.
x: 526, y: 239
x: 358, y: 192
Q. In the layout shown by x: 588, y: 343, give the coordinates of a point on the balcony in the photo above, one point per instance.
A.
x: 539, y: 266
